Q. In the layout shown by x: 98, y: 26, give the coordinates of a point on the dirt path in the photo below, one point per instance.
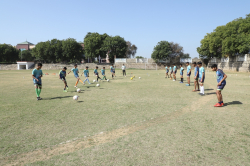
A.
x: 45, y: 154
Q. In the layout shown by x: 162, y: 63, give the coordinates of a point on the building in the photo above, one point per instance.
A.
x: 25, y: 46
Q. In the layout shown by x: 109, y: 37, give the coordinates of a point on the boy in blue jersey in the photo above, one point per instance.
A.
x: 62, y: 75
x: 75, y: 71
x: 221, y: 79
x: 86, y: 74
x: 112, y: 70
x: 188, y: 73
x: 171, y: 71
x: 174, y: 72
x: 37, y: 74
x: 103, y: 73
x: 167, y: 70
x: 96, y: 73
x: 181, y: 73
x: 201, y: 78
x: 196, y: 77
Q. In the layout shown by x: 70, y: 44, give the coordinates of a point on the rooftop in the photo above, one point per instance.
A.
x: 26, y: 42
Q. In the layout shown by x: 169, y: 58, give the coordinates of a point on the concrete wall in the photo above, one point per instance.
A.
x: 8, y: 66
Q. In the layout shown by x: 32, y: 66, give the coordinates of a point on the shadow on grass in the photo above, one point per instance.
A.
x: 80, y: 101
x: 57, y: 98
x: 208, y: 89
x: 233, y: 103
x: 212, y: 93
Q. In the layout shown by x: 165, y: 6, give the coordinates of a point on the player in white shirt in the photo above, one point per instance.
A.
x: 124, y: 70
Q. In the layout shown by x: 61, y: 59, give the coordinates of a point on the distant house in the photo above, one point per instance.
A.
x: 25, y: 46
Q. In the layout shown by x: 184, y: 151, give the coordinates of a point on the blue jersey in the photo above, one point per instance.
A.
x: 86, y: 72
x: 220, y: 75
x: 75, y: 71
x: 196, y: 70
x: 174, y: 69
x: 201, y: 71
x: 103, y: 71
x: 166, y: 68
x: 95, y: 71
x: 181, y: 70
x: 170, y: 68
x: 62, y: 74
x: 37, y: 74
x: 188, y: 69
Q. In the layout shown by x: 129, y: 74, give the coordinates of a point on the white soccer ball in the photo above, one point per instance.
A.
x: 75, y: 97
x: 78, y: 90
x: 93, y: 80
x: 139, y: 77
x: 97, y: 84
x: 108, y: 80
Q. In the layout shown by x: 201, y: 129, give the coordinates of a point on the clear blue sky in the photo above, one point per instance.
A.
x: 143, y: 22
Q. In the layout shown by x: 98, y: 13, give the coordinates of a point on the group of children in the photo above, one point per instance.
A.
x: 199, y: 78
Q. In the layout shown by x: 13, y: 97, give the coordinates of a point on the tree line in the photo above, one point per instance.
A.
x: 168, y: 50
x: 228, y: 40
x: 70, y: 50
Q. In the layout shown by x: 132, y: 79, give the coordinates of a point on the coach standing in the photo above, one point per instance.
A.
x: 124, y: 70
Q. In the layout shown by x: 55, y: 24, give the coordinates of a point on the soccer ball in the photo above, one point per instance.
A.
x: 108, y: 80
x: 97, y: 84
x: 139, y: 77
x: 78, y: 90
x: 131, y: 78
x: 75, y: 97
x: 93, y: 80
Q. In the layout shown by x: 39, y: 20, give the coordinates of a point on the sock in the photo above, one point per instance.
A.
x: 221, y: 102
x: 76, y: 83
x: 181, y: 79
x: 203, y: 90
x: 64, y: 88
x: 37, y: 92
x: 103, y: 77
x: 81, y: 81
x: 97, y: 79
x: 200, y: 89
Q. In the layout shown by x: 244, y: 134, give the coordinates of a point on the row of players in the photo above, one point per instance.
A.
x: 199, y: 78
x: 37, y: 74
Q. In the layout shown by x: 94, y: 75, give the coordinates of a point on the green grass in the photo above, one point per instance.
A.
x: 148, y: 121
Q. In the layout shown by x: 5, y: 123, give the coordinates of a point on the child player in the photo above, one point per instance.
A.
x: 112, y: 70
x: 96, y: 73
x: 171, y: 72
x: 75, y: 71
x: 174, y: 72
x: 86, y: 74
x: 201, y: 78
x: 167, y: 70
x: 62, y: 75
x: 221, y: 79
x: 103, y: 73
x: 181, y: 73
x: 188, y: 73
x: 196, y: 77
x: 37, y: 73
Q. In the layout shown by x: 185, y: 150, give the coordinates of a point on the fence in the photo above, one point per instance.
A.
x: 225, y: 59
x: 142, y: 60
x: 123, y: 60
x: 241, y: 58
x: 184, y: 60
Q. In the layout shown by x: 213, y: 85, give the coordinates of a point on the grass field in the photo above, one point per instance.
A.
x: 148, y: 121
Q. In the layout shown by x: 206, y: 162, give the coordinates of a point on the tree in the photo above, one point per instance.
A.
x: 139, y: 57
x: 93, y: 43
x: 115, y: 46
x: 8, y: 53
x: 176, y: 49
x: 71, y: 50
x: 162, y: 51
x: 26, y: 55
x: 131, y: 50
x: 228, y: 40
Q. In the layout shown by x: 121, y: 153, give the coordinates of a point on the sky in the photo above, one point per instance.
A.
x: 142, y: 22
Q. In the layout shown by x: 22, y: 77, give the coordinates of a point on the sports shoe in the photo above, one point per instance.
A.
x: 217, y: 105
x: 67, y: 88
x: 75, y: 86
x: 222, y: 104
x: 37, y: 98
x: 181, y: 82
x: 173, y: 80
x: 187, y: 84
x: 65, y: 91
x: 202, y: 94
